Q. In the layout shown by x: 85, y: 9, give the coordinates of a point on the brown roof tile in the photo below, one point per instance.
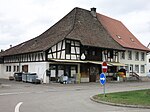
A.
x: 79, y: 24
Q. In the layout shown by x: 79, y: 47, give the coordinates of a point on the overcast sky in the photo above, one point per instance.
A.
x: 21, y: 20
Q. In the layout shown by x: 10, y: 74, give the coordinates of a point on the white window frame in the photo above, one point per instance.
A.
x: 142, y: 68
x: 129, y: 55
x: 136, y: 56
x: 142, y: 56
x: 137, y: 68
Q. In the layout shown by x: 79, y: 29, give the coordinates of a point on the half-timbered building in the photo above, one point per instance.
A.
x: 75, y: 46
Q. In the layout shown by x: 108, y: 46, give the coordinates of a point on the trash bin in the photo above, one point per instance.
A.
x: 18, y: 76
x: 36, y: 81
x: 31, y: 77
x: 24, y: 77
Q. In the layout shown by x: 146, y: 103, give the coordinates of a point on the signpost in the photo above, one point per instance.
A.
x: 103, y: 76
x: 103, y: 81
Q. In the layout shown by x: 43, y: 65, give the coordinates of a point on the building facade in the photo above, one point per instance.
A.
x: 76, y: 46
x: 148, y: 61
x: 135, y: 61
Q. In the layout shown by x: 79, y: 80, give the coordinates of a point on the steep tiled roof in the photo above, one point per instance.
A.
x: 80, y: 25
x: 44, y: 41
x: 120, y: 33
x: 90, y: 31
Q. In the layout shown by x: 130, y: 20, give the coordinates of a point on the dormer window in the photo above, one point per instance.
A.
x: 118, y: 37
x: 132, y: 39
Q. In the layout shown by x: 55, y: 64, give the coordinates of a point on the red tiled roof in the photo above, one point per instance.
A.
x: 120, y: 33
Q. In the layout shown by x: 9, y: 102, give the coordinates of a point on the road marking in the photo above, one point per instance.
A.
x: 18, y: 106
x: 13, y: 93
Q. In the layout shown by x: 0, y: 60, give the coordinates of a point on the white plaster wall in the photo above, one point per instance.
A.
x: 148, y: 64
x: 3, y: 72
x: 134, y: 62
x: 39, y: 68
x: 33, y: 67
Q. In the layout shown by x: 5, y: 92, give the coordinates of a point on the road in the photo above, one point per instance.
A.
x: 61, y: 98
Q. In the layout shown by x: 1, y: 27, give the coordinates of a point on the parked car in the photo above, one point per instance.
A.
x: 18, y: 76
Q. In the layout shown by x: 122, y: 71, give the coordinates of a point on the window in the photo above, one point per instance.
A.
x: 149, y: 60
x: 136, y: 56
x: 129, y: 55
x: 118, y: 37
x: 7, y: 68
x: 137, y: 68
x: 86, y: 52
x: 14, y: 68
x: 93, y: 53
x: 110, y: 54
x: 73, y: 71
x: 142, y: 69
x: 122, y: 55
x: 142, y: 56
x: 68, y: 48
x: 17, y: 68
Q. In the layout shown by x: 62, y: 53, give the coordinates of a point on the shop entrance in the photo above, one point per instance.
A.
x: 94, y: 72
x: 58, y: 70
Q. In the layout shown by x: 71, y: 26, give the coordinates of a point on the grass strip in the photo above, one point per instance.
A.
x: 138, y: 97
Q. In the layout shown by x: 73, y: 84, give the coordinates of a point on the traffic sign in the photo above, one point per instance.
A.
x: 103, y: 81
x: 102, y: 78
x: 104, y: 67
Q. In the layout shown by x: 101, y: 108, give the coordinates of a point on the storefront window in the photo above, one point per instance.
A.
x: 60, y: 70
x: 73, y: 71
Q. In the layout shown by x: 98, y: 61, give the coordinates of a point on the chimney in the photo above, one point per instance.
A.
x: 10, y: 46
x: 93, y: 12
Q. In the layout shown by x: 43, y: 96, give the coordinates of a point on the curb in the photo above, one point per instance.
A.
x: 120, y: 105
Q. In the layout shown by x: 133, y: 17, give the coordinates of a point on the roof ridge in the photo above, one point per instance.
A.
x: 109, y: 17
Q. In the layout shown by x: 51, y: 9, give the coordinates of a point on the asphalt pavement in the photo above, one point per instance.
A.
x: 54, y: 97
